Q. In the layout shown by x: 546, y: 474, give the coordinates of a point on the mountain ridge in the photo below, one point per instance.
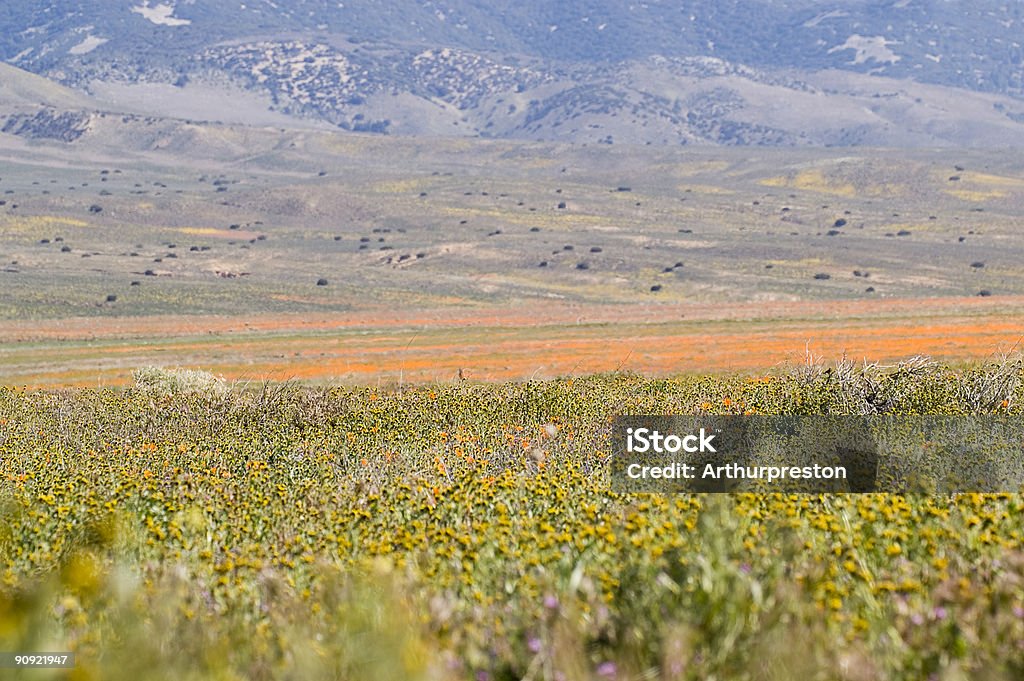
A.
x: 736, y: 72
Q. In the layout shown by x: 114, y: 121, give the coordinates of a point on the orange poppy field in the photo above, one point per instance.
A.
x: 530, y: 341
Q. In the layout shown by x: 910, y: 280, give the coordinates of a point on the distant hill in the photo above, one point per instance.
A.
x: 34, y: 107
x: 19, y: 88
x: 730, y: 72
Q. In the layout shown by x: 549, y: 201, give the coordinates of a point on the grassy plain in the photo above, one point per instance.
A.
x: 390, y: 347
x: 654, y: 250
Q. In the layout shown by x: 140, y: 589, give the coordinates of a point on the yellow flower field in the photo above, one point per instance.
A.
x: 469, y: 532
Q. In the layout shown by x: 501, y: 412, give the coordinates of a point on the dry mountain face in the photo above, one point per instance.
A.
x: 729, y: 72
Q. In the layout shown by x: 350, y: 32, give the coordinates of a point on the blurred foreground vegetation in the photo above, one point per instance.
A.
x: 176, y: 531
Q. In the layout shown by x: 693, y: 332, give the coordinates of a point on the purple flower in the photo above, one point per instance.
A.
x: 917, y: 619
x: 1018, y: 611
x: 483, y: 676
x: 533, y: 644
x: 745, y: 568
x: 550, y: 602
x: 939, y: 613
x: 607, y: 670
